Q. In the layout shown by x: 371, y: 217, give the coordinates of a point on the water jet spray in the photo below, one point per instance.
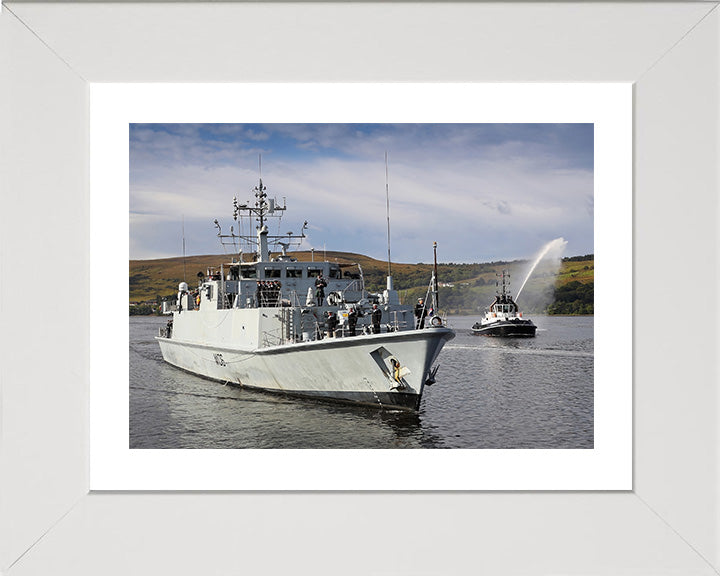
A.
x: 552, y: 249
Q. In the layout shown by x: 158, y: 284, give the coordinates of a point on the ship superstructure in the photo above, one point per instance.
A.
x: 266, y: 320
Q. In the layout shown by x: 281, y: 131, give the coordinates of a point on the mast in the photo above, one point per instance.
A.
x: 435, y: 279
x: 502, y: 293
x: 262, y: 210
x: 387, y: 212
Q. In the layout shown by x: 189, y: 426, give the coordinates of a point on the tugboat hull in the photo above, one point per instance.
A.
x: 507, y: 329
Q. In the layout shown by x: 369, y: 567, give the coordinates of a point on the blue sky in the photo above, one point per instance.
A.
x: 484, y: 192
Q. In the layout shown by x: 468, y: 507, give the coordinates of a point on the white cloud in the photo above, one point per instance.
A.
x: 499, y: 201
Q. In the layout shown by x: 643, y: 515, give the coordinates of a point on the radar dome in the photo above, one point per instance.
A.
x: 183, y: 287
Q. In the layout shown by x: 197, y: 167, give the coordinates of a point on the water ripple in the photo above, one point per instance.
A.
x: 490, y: 393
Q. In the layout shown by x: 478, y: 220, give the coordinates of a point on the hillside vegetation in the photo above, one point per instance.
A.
x: 465, y: 288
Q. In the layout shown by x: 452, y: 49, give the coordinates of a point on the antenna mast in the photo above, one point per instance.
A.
x: 183, y: 234
x: 387, y: 211
x: 435, y: 279
x: 261, y: 210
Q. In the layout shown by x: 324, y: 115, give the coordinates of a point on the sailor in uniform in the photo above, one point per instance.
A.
x: 376, y: 317
x: 352, y: 320
x: 420, y: 313
x: 320, y: 284
x: 331, y: 323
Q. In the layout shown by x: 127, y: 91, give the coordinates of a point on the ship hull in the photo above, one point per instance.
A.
x: 355, y: 370
x: 507, y: 329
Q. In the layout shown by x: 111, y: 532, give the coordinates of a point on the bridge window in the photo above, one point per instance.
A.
x: 293, y: 272
x: 272, y: 272
x: 335, y: 272
x: 249, y: 272
x: 313, y: 272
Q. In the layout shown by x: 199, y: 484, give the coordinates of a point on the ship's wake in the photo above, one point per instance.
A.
x: 524, y: 351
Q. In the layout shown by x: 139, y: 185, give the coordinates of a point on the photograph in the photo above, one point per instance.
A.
x: 361, y: 286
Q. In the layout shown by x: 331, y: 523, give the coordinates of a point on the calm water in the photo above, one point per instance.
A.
x: 490, y: 393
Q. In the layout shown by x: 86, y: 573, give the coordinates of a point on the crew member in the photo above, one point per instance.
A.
x: 320, y: 285
x: 278, y: 291
x: 420, y: 313
x: 376, y: 317
x: 352, y: 320
x: 331, y: 323
x: 274, y: 293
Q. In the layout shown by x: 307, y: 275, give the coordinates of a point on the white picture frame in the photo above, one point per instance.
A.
x: 667, y: 524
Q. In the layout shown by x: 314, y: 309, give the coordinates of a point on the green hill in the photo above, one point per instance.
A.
x: 465, y: 288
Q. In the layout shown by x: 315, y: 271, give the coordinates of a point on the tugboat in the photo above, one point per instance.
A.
x: 299, y: 328
x: 503, y: 317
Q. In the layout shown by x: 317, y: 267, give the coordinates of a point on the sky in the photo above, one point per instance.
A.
x: 483, y: 192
